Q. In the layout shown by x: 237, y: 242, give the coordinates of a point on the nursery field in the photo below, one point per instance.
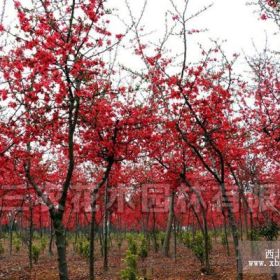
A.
x: 153, y: 266
x: 136, y: 151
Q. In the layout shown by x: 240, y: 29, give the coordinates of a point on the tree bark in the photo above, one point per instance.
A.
x: 51, y: 240
x: 166, y: 243
x: 206, y: 241
x: 91, y: 239
x: 11, y: 226
x: 61, y: 247
x: 234, y: 231
x: 175, y: 239
x: 30, y: 237
x: 154, y: 234
x: 105, y: 230
x: 204, y: 227
x: 225, y: 232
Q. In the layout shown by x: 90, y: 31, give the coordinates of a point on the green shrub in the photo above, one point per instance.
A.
x: 119, y: 237
x: 36, y: 235
x: 198, y: 247
x: 130, y: 271
x: 214, y: 234
x: 254, y: 235
x: 270, y: 231
x: 132, y: 245
x: 161, y: 237
x: 1, y: 248
x: 83, y: 248
x: 143, y: 249
x: 186, y: 239
x: 43, y: 243
x: 224, y: 239
x: 36, y: 250
x: 17, y: 244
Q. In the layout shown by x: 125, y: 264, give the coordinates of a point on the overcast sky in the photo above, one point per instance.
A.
x: 230, y: 20
x: 227, y: 19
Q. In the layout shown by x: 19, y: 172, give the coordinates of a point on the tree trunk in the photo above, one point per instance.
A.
x: 245, y: 214
x: 175, y: 239
x: 105, y: 230
x: 51, y: 240
x: 234, y: 231
x: 41, y: 223
x: 77, y: 228
x: 240, y: 218
x: 251, y: 224
x: 214, y: 227
x: 166, y: 243
x: 206, y: 240
x: 61, y: 248
x: 204, y: 227
x: 225, y: 232
x: 155, y: 244
x: 91, y: 239
x: 30, y: 237
x: 100, y: 234
x: 11, y: 226
x: 11, y: 241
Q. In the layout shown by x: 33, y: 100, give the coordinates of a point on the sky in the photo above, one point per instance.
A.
x: 230, y: 20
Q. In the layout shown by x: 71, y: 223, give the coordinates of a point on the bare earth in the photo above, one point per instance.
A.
x: 155, y: 266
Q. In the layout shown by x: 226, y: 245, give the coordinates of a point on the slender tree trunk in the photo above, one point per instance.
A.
x: 206, y: 240
x: 61, y: 247
x: 92, y: 247
x: 11, y: 242
x: 273, y: 268
x: 154, y: 232
x: 245, y: 214
x: 11, y: 226
x: 251, y: 224
x: 1, y: 223
x: 214, y: 227
x: 240, y: 218
x: 77, y: 228
x: 30, y: 237
x: 105, y: 230
x: 204, y: 230
x: 166, y: 243
x: 91, y: 239
x: 195, y: 215
x: 225, y: 231
x: 100, y: 233
x: 175, y: 239
x: 204, y: 227
x: 234, y: 231
x: 51, y: 240
x: 273, y: 273
x: 193, y: 226
x: 41, y: 223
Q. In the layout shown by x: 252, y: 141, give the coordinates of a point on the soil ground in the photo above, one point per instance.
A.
x: 156, y: 267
